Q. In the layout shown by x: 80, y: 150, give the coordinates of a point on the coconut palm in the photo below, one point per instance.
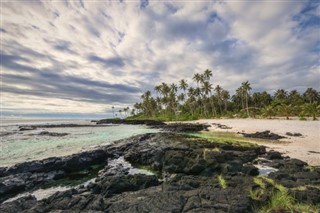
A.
x: 311, y: 95
x: 281, y: 95
x: 113, y: 111
x: 225, y: 97
x: 158, y: 89
x: 174, y: 88
x: 206, y: 89
x: 125, y: 111
x: 285, y: 110
x: 295, y: 98
x: 218, y: 90
x: 265, y: 99
x: 181, y: 97
x: 207, y: 74
x: 239, y: 97
x: 246, y: 88
x: 268, y: 111
x: 197, y: 78
x: 311, y: 109
x: 183, y: 85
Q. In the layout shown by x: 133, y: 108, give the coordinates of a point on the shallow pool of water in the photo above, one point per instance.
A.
x: 265, y: 170
x: 24, y: 146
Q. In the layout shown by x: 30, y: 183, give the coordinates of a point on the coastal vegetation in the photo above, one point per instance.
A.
x: 202, y: 99
x: 276, y: 197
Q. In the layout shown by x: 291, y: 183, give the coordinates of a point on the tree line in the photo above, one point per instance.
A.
x: 184, y: 101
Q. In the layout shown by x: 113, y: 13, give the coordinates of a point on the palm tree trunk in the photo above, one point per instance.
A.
x: 247, y: 105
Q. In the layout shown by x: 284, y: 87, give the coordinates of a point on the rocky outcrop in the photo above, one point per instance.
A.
x: 52, y: 134
x: 185, y: 127
x: 221, y: 126
x: 25, y: 176
x: 26, y: 128
x: 171, y: 127
x: 295, y: 134
x: 263, y: 135
x: 33, y: 127
x: 190, y: 175
x: 130, y: 122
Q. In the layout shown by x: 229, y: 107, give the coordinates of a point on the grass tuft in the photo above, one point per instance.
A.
x: 222, y: 138
x: 206, y: 151
x: 222, y: 182
x: 259, y: 181
x: 279, y: 201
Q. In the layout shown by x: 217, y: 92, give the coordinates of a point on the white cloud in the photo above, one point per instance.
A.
x: 239, y: 40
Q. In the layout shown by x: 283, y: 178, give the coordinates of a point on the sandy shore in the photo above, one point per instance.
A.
x: 306, y: 148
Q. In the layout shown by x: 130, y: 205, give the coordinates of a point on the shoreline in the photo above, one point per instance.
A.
x: 306, y: 148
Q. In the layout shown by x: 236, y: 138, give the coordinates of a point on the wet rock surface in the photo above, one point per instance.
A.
x: 26, y: 128
x: 33, y: 127
x: 171, y: 127
x: 190, y: 175
x: 263, y: 135
x: 53, y: 134
x: 295, y: 134
x: 25, y: 176
x: 184, y: 127
x: 130, y: 122
x: 221, y: 126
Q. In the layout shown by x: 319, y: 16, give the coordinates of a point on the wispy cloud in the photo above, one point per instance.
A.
x: 63, y: 56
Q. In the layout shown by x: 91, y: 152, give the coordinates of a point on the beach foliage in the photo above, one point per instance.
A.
x: 200, y: 98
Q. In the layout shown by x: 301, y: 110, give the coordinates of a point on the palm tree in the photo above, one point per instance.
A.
x: 225, y: 97
x: 207, y: 74
x: 312, y: 109
x: 197, y: 78
x: 165, y: 89
x: 246, y: 88
x: 281, y: 95
x: 158, y: 89
x: 206, y: 88
x: 268, y: 111
x: 113, y: 111
x: 239, y: 97
x: 120, y: 112
x: 265, y: 99
x: 311, y: 95
x: 183, y: 85
x: 174, y: 88
x: 285, y: 110
x: 295, y: 98
x: 181, y: 97
x: 126, y: 109
x: 218, y: 90
x: 146, y: 104
x: 138, y: 107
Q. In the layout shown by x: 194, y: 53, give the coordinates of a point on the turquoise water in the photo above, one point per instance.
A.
x: 28, y: 145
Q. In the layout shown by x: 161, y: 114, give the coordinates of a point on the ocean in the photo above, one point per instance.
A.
x: 20, y: 146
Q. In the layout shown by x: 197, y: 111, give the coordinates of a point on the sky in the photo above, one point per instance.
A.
x: 80, y: 58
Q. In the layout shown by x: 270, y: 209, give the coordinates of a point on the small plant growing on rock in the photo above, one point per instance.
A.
x: 222, y: 182
x: 280, y: 201
x: 206, y: 151
x: 259, y: 182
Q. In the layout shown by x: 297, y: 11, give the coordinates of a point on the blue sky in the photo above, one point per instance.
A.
x: 71, y: 57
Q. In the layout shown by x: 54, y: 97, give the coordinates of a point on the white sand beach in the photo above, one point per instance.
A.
x: 306, y: 148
